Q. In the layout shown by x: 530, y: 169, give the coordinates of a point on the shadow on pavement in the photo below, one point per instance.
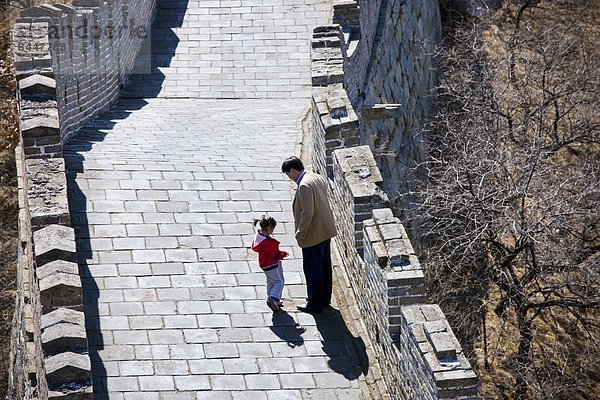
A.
x: 345, y: 352
x: 75, y: 151
x: 287, y: 329
x: 157, y: 51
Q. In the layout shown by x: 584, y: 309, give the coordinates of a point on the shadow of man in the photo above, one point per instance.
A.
x: 287, y: 329
x: 347, y: 354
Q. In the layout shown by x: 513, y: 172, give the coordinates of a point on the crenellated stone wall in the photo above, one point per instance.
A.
x: 71, y: 63
x: 382, y: 66
x: 380, y: 53
x: 26, y: 374
x: 390, y: 62
x: 330, y: 103
x: 411, y: 340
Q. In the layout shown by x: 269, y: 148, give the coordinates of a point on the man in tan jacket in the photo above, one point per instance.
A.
x: 314, y: 228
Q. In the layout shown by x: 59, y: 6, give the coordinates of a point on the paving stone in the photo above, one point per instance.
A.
x: 156, y: 383
x: 136, y: 368
x: 228, y: 382
x: 214, y: 395
x: 288, y: 394
x: 297, y: 380
x: 250, y: 395
x: 262, y: 382
x: 171, y: 367
x: 221, y: 350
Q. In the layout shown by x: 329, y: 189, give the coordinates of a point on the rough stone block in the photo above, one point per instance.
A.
x: 78, y: 392
x: 459, y: 378
x: 432, y: 312
x: 383, y: 215
x: 363, y: 191
x: 399, y: 251
x: 390, y: 231
x: 443, y: 344
x: 36, y: 85
x: 62, y: 315
x: 57, y: 266
x: 60, y: 290
x: 63, y: 337
x: 413, y: 314
x: 380, y: 254
x: 54, y: 242
x: 68, y: 367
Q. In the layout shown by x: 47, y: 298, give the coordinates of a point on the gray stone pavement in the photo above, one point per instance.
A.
x: 162, y: 193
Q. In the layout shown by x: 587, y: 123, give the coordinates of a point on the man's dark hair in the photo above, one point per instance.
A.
x: 292, y: 162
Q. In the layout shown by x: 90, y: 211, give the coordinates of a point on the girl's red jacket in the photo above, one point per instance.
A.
x: 267, y: 249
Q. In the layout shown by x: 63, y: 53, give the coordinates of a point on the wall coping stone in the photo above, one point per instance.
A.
x: 62, y: 315
x: 37, y: 84
x: 54, y: 242
x: 57, y: 266
x: 68, y: 367
x: 41, y: 126
x: 60, y: 290
x: 64, y: 337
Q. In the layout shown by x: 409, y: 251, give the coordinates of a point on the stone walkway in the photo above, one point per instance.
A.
x: 162, y: 195
x: 229, y: 49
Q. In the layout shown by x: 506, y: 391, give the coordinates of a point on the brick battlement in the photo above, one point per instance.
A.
x: 356, y: 65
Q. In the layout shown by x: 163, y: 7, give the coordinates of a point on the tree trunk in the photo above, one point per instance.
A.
x: 523, y: 355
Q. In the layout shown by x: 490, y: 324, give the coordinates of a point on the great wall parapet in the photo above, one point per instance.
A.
x: 418, y: 355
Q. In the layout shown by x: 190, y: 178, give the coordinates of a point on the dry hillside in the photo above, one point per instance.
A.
x: 512, y: 231
x: 8, y: 195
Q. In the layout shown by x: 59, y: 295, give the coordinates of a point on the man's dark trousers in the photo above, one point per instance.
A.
x: 316, y: 262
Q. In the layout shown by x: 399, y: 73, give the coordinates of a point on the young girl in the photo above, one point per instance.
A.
x: 269, y: 259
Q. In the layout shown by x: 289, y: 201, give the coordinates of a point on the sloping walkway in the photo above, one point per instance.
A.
x: 162, y: 195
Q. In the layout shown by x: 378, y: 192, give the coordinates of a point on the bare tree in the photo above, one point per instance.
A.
x: 510, y: 213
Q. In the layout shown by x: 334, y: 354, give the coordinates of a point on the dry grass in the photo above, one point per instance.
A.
x: 8, y: 196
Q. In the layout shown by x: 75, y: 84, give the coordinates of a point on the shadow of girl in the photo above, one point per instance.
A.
x: 287, y: 329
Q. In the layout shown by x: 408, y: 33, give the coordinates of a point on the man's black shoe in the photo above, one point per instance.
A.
x: 308, y: 310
